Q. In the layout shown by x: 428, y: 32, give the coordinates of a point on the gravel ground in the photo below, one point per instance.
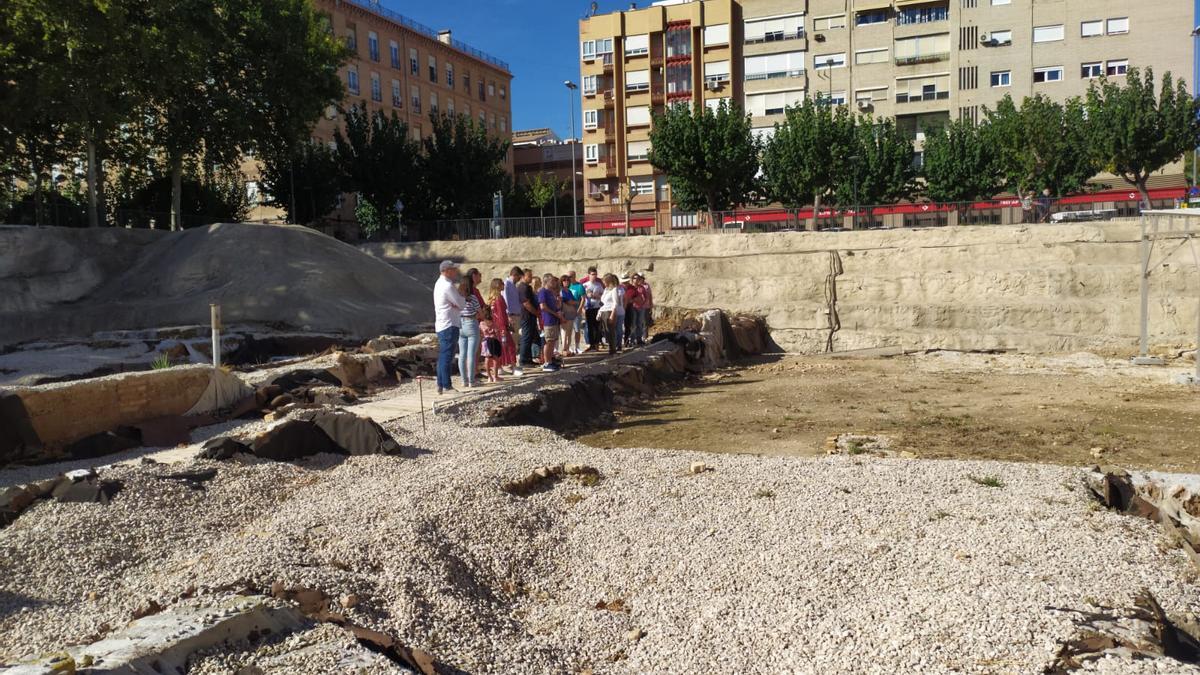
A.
x: 761, y: 565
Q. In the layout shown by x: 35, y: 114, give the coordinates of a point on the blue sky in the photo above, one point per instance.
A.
x: 538, y: 38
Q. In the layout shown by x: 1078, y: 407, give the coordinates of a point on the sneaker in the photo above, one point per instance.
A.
x: 517, y: 372
x: 549, y: 368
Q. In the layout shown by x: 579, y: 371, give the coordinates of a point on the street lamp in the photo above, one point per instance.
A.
x: 571, y: 87
x: 1195, y: 90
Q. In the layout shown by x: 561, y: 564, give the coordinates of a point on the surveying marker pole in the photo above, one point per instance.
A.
x: 215, y: 312
x: 1143, y: 358
x: 421, y: 400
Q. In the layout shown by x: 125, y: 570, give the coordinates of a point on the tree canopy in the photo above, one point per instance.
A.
x: 378, y: 160
x: 711, y: 156
x: 1135, y: 131
x: 960, y: 163
x: 461, y: 166
x: 1042, y: 145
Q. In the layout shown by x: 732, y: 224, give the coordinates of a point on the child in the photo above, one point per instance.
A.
x: 492, y: 350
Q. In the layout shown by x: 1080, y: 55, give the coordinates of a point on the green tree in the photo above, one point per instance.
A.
x: 315, y: 175
x: 960, y: 163
x: 1043, y: 145
x: 710, y: 156
x: 807, y: 156
x: 378, y: 160
x: 234, y: 73
x: 881, y: 168
x: 208, y: 195
x: 1135, y: 132
x: 542, y: 189
x: 461, y: 167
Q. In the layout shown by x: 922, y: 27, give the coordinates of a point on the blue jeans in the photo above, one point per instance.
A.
x: 468, y: 351
x: 447, y: 340
x: 618, y: 331
x: 639, y: 326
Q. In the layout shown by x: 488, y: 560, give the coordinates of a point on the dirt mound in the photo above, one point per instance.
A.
x: 59, y: 281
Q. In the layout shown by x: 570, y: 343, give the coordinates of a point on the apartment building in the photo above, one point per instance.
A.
x: 924, y: 62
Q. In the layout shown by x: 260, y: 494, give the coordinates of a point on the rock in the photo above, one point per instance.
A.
x: 223, y: 447
x: 309, y: 432
x: 265, y: 395
x: 349, y: 601
x: 104, y: 443
x: 698, y: 467
x: 635, y: 635
x: 85, y: 486
x: 281, y: 400
x: 1097, y: 452
x: 775, y: 430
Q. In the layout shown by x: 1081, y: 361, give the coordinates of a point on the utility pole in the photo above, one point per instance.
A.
x: 571, y: 87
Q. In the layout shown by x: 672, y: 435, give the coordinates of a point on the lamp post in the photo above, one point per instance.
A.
x: 571, y: 87
x: 1195, y: 90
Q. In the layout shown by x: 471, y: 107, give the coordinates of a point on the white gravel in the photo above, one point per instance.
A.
x: 763, y: 565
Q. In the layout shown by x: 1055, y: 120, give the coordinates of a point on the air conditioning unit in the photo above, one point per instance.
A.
x: 864, y: 104
x: 984, y: 39
x: 605, y: 187
x: 713, y: 85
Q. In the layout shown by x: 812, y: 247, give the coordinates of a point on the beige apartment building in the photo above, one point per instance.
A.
x: 924, y: 62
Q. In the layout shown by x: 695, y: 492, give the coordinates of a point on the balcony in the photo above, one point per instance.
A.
x: 609, y: 97
x: 775, y: 36
x: 922, y: 58
x: 657, y: 93
x: 926, y: 96
x: 606, y: 60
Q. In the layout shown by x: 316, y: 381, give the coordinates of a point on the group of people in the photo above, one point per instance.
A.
x: 528, y: 321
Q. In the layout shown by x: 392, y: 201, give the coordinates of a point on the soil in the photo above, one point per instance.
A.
x: 1077, y: 410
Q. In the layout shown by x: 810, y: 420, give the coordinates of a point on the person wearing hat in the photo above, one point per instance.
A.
x: 448, y: 304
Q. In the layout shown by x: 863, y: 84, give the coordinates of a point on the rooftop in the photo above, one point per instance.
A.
x: 375, y: 7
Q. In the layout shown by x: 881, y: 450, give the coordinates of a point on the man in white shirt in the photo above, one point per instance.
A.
x: 447, y: 309
x: 512, y: 299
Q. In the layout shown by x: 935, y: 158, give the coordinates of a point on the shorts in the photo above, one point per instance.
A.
x: 493, y: 346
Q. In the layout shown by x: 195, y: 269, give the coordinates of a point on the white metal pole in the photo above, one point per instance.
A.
x: 1144, y: 338
x: 215, y: 313
x: 574, y: 145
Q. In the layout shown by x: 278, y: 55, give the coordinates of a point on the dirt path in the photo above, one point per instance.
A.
x: 1019, y: 408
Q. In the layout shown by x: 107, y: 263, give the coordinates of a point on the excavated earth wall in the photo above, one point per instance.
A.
x: 1040, y: 288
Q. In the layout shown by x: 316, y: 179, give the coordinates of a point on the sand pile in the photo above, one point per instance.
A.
x: 69, y: 282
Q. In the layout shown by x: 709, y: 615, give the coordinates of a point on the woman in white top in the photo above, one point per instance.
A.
x: 468, y: 337
x: 607, y: 317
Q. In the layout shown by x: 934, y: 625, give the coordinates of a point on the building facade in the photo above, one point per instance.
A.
x: 541, y: 152
x: 924, y: 62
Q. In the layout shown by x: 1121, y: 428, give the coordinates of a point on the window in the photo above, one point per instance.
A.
x: 833, y: 98
x: 590, y: 83
x: 604, y: 46
x: 373, y: 45
x: 716, y: 71
x: 352, y: 79
x: 587, y: 49
x: 829, y: 61
x: 482, y: 118
x: 591, y: 153
x: 397, y: 97
x: 922, y: 49
x: 714, y: 104
x: 871, y: 94
x: 591, y: 119
x: 1002, y: 37
x: 415, y: 91
x: 870, y: 56
x: 466, y: 110
x: 771, y: 66
x: 829, y: 22
x: 394, y: 50
x: 638, y: 151
x: 716, y: 35
x: 491, y: 121
x: 637, y: 115
x: 922, y: 88
x: 637, y: 80
x: 637, y: 45
x: 482, y: 93
x: 413, y: 64
x: 433, y: 103
x: 1048, y: 33
x: 351, y: 38
x: 467, y: 80
x: 450, y: 75
x: 503, y: 92
x: 772, y: 103
x: 641, y: 185
x: 1091, y: 28
x: 679, y: 41
x: 1002, y: 78
x: 450, y: 106
x: 1001, y: 2
x: 1116, y: 67
x: 433, y: 68
x: 1118, y: 26
x: 871, y: 17
x: 774, y: 29
x: 1048, y: 74
x: 1089, y: 71
x: 491, y: 89
x: 503, y: 123
x: 376, y: 88
x: 915, y: 15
